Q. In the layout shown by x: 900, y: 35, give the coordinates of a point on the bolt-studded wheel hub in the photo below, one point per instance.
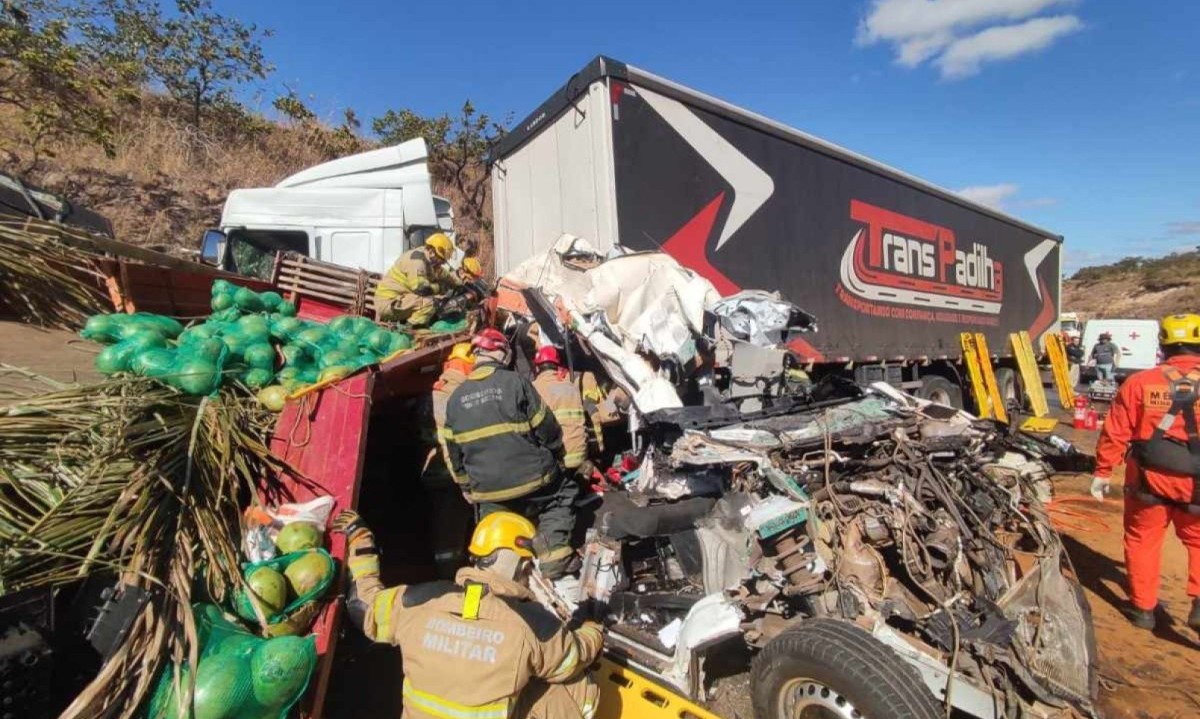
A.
x: 810, y: 699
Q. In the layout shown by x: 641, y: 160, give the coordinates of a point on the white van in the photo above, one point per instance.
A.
x: 1138, y: 340
x: 361, y: 212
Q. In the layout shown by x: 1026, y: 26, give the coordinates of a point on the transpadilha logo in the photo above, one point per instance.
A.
x: 901, y: 267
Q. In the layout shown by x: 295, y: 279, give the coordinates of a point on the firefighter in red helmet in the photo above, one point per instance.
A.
x: 506, y: 448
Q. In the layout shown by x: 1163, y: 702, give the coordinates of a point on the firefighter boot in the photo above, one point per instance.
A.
x: 1141, y: 618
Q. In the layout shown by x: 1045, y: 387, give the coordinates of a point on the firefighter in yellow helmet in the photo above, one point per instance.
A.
x: 479, y: 647
x: 410, y: 291
x: 471, y: 270
x: 450, y: 513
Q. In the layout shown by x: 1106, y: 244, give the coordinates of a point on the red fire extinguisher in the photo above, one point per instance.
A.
x: 1092, y: 421
x: 1081, y: 410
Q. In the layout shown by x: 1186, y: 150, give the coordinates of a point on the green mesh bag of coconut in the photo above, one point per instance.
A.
x: 240, y: 676
x: 280, y: 588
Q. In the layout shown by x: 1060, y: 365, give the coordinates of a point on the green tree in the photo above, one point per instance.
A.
x: 55, y: 82
x: 194, y: 53
x: 458, y: 151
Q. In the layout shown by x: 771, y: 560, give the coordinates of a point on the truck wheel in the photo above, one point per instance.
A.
x: 828, y: 669
x: 1010, y: 389
x: 941, y: 390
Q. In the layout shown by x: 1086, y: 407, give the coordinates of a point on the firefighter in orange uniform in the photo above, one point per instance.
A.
x: 1152, y: 426
x: 479, y: 647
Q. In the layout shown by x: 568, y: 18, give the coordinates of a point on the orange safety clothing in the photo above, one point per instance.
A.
x: 1154, y: 497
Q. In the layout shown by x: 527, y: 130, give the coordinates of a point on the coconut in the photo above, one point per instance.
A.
x: 307, y: 573
x: 269, y: 587
x: 270, y: 300
x: 362, y: 359
x: 145, y: 339
x: 219, y: 286
x: 221, y: 687
x: 334, y: 357
x: 115, y: 358
x: 362, y: 326
x: 293, y: 354
x: 210, y: 350
x: 287, y: 309
x: 198, y: 333
x: 275, y: 396
x: 229, y: 315
x: 153, y: 362
x: 341, y: 324
x: 221, y: 301
x: 282, y: 328
x: 101, y: 328
x: 196, y: 376
x: 257, y: 378
x: 400, y: 341
x: 379, y: 341
x: 313, y: 336
x: 260, y: 356
x: 279, y: 670
x: 297, y: 537
x: 247, y: 300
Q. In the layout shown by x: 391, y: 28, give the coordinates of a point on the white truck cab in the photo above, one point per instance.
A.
x: 359, y: 212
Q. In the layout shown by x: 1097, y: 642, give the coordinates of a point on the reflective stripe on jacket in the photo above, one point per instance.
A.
x: 1136, y: 411
x: 500, y: 437
x: 414, y: 272
x: 471, y: 646
x: 454, y: 373
x: 562, y: 397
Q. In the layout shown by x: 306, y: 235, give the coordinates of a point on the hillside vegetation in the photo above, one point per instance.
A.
x: 1136, y: 287
x: 134, y: 112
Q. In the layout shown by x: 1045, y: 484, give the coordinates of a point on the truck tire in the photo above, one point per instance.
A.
x: 936, y: 388
x: 825, y: 668
x: 1010, y: 388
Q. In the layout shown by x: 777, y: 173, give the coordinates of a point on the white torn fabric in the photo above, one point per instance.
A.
x: 628, y: 306
x: 550, y: 272
x: 648, y: 390
x: 657, y: 303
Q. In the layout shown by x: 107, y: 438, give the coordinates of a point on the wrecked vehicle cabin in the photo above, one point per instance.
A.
x: 881, y: 556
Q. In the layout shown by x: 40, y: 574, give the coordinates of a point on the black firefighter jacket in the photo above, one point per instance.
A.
x: 502, y: 442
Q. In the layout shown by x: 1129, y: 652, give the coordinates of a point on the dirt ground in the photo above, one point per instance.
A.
x: 1144, y: 675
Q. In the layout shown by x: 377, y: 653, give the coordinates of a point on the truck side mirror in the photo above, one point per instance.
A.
x: 212, y: 247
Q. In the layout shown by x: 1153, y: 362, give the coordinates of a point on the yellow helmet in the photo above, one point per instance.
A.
x: 503, y: 530
x: 441, y: 245
x: 1179, y: 330
x: 471, y: 266
x: 462, y: 351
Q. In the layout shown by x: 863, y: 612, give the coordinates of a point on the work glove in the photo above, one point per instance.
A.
x: 1101, y: 486
x: 363, y: 559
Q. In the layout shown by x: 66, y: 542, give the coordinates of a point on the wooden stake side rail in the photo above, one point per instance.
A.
x: 301, y: 276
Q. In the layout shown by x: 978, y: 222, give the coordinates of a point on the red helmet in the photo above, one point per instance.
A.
x: 490, y: 340
x: 547, y: 355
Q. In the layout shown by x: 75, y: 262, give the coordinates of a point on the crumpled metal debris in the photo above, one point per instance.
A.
x: 762, y: 318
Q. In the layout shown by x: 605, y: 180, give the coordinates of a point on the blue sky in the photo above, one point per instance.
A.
x: 1082, y: 116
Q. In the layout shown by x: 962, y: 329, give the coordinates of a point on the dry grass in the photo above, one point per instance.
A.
x: 168, y: 180
x: 1136, y: 288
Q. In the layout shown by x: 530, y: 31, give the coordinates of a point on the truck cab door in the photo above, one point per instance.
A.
x: 353, y: 248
